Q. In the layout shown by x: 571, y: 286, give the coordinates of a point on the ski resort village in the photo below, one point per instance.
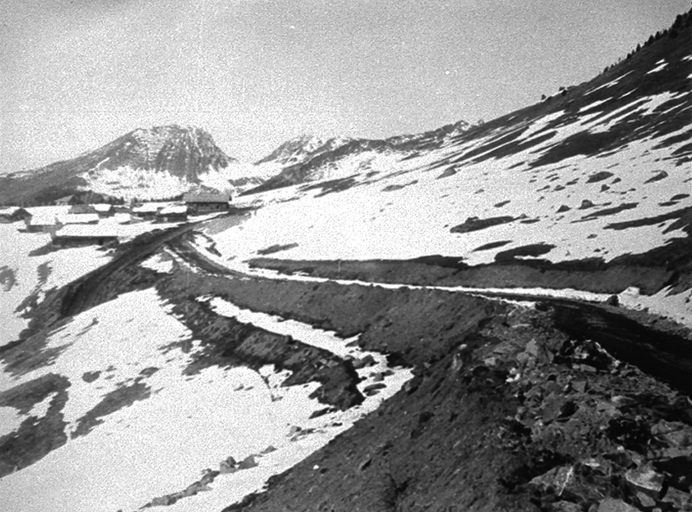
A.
x: 485, y: 316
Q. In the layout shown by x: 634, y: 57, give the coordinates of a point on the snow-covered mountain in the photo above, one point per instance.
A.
x: 308, y: 158
x: 156, y: 163
x: 302, y: 148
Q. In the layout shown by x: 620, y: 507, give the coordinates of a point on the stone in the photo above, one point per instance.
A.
x: 373, y: 389
x: 566, y: 506
x: 367, y: 360
x: 645, y: 478
x: 613, y: 300
x: 644, y: 499
x: 228, y: 466
x: 679, y: 499
x: 248, y: 462
x: 556, y: 479
x: 613, y: 505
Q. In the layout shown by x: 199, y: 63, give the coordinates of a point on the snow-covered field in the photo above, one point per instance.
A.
x: 34, y: 275
x: 176, y: 425
x: 410, y: 212
x: 23, y: 276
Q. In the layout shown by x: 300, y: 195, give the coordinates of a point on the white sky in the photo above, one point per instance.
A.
x: 75, y: 74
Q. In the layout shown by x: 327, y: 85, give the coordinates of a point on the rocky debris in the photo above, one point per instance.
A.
x: 226, y: 339
x: 90, y: 376
x: 208, y: 476
x: 248, y: 462
x: 613, y: 505
x: 228, y: 465
x: 373, y: 389
x: 476, y: 223
x: 296, y: 432
x: 611, y: 430
x: 363, y: 362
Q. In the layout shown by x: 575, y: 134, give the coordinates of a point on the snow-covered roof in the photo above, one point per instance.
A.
x: 42, y: 219
x: 206, y: 197
x: 79, y: 218
x: 146, y: 208
x: 103, y: 208
x: 86, y: 231
x: 122, y: 218
x: 10, y: 210
x: 173, y: 209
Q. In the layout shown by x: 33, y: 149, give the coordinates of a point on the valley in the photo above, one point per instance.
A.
x: 483, y: 317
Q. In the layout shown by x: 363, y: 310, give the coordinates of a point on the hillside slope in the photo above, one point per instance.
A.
x: 594, y: 178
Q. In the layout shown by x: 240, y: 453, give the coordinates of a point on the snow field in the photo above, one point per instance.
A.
x: 135, y: 455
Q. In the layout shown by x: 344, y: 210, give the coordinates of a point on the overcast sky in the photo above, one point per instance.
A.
x: 76, y: 74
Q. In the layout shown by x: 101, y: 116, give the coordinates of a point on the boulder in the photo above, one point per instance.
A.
x: 363, y: 362
x: 613, y: 505
x: 645, y: 478
x: 248, y: 462
x: 228, y: 466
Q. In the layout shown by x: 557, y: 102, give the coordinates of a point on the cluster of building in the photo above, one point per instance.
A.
x: 82, y: 223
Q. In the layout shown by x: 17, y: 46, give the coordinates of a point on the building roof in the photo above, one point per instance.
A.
x: 82, y: 208
x: 85, y: 231
x: 103, y: 208
x: 174, y: 209
x: 146, y: 208
x: 42, y: 219
x: 10, y: 210
x: 79, y: 218
x: 206, y: 197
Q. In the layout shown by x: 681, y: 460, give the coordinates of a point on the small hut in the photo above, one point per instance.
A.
x: 79, y: 218
x: 146, y: 211
x: 13, y: 214
x: 42, y: 223
x: 78, y: 235
x: 104, y: 209
x: 206, y: 202
x: 173, y: 213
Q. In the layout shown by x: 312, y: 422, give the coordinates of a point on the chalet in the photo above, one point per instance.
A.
x: 104, y: 209
x: 173, y: 213
x: 78, y: 235
x: 47, y: 222
x: 201, y: 202
x: 79, y: 218
x: 146, y: 211
x: 13, y: 214
x: 78, y: 209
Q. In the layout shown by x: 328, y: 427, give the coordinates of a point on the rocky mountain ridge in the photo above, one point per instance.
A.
x: 167, y: 157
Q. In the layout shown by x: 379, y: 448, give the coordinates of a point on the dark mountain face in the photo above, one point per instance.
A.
x: 183, y: 152
x: 303, y: 157
x: 301, y: 149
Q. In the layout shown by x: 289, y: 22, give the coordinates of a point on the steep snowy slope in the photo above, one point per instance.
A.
x: 599, y: 172
x: 157, y: 163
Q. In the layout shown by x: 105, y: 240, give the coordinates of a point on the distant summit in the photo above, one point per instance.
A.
x: 308, y: 158
x: 302, y: 148
x: 154, y: 163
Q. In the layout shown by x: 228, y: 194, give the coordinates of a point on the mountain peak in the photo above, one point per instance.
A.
x: 174, y: 155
